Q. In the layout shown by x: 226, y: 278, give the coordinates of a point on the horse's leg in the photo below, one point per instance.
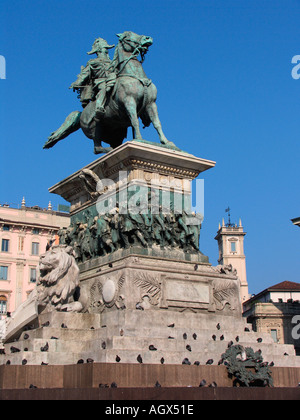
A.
x: 70, y: 125
x: 153, y: 115
x: 130, y: 106
x: 97, y: 141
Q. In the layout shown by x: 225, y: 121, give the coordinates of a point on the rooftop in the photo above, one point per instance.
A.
x: 284, y: 286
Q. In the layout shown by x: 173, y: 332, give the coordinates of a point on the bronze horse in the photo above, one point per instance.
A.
x: 132, y: 97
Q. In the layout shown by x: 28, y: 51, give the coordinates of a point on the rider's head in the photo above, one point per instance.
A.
x: 100, y: 45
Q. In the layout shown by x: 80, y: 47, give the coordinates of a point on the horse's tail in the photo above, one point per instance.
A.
x: 71, y: 124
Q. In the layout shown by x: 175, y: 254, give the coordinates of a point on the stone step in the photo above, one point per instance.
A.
x: 158, y: 319
x: 199, y: 349
x: 82, y: 321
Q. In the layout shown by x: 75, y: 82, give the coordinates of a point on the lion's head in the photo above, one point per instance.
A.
x: 58, y: 277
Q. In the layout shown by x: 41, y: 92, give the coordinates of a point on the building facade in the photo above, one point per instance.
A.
x: 230, y: 239
x: 24, y: 235
x: 276, y: 310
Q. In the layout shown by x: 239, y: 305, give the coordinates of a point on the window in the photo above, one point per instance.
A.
x: 3, y: 305
x: 6, y: 227
x: 233, y: 246
x: 35, y: 248
x: 274, y: 336
x: 5, y: 245
x: 33, y: 275
x: 3, y: 272
x: 35, y: 231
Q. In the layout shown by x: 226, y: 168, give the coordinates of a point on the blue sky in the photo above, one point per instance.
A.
x: 225, y: 93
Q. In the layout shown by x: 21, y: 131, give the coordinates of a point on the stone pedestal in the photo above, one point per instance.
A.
x: 135, y: 200
x: 148, y: 293
x: 144, y: 283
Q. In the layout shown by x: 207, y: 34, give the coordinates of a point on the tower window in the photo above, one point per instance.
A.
x: 233, y: 246
x: 274, y: 335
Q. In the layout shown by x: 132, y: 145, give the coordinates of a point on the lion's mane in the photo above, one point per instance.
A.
x: 58, y: 277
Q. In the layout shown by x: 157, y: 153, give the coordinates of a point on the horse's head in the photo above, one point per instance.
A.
x: 137, y: 44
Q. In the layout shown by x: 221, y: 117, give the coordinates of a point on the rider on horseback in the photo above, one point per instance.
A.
x: 96, y: 79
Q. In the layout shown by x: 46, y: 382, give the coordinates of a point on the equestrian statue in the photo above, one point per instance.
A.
x: 114, y: 94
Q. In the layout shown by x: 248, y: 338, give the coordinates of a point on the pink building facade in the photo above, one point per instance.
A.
x: 24, y: 235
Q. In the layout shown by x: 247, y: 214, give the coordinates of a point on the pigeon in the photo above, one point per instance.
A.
x: 186, y: 361
x: 139, y: 359
x: 24, y: 362
x: 63, y: 325
x: 195, y: 336
x: 184, y: 336
x: 80, y: 362
x: 188, y: 347
x: 31, y: 386
x: 103, y: 386
x: 26, y: 336
x: 157, y: 384
x: 246, y: 329
x: 202, y: 383
x: 285, y: 354
x: 92, y: 328
x: 46, y: 324
x: 264, y: 364
x: 14, y: 349
x: 214, y: 337
x: 2, y: 351
x: 45, y: 348
x: 103, y: 345
x: 220, y: 362
x: 118, y: 359
x: 139, y: 307
x: 210, y: 362
x: 218, y: 326
x: 89, y: 360
x: 170, y: 338
x: 237, y: 338
x: 230, y: 344
x: 171, y: 325
x: 152, y: 348
x: 26, y: 349
x: 222, y: 337
x: 271, y: 364
x: 213, y: 385
x: 196, y: 267
x: 259, y: 340
x: 162, y: 360
x: 113, y: 385
x: 44, y: 364
x: 54, y: 338
x: 110, y: 265
x: 197, y: 363
x: 121, y: 333
x: 8, y: 362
